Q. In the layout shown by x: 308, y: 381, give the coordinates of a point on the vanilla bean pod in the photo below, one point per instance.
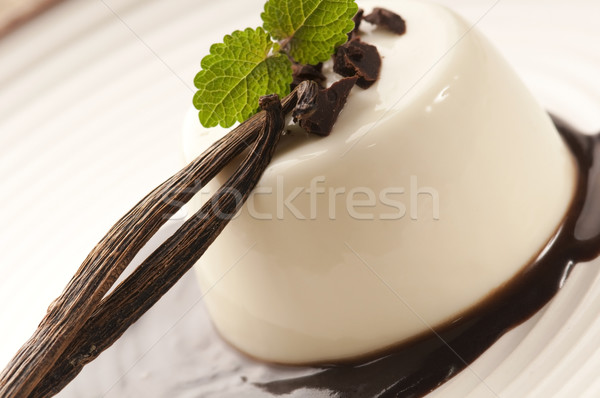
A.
x: 69, y: 312
x: 107, y: 261
x: 167, y: 264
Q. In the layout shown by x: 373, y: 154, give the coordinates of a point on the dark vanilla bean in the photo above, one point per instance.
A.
x: 84, y: 295
x: 167, y: 264
x: 107, y: 261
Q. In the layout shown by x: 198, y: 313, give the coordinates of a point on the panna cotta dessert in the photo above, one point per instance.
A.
x: 436, y: 187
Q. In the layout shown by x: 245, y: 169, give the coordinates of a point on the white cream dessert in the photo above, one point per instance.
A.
x: 436, y: 186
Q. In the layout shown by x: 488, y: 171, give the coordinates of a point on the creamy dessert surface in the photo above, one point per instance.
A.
x: 469, y: 178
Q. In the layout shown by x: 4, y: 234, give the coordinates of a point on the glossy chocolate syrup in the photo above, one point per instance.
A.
x: 416, y: 368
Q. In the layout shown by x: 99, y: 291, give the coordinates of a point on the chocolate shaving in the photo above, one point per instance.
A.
x: 387, y: 19
x: 322, y: 116
x: 357, y: 20
x: 358, y: 58
x: 302, y: 72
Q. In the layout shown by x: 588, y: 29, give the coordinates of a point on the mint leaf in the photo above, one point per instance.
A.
x: 311, y: 29
x: 236, y: 74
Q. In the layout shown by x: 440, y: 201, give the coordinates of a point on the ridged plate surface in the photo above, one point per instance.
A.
x: 92, y: 98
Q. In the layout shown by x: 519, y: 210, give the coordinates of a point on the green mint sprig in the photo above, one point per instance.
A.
x: 249, y: 64
x: 236, y: 73
x: 311, y: 28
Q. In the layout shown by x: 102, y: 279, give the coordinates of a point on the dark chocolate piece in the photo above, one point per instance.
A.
x: 386, y: 19
x: 358, y: 58
x: 330, y: 101
x: 302, y: 72
x: 357, y: 20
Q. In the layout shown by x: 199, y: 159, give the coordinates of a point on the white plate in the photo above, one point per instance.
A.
x: 92, y: 97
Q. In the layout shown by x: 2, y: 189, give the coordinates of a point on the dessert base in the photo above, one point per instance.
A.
x: 442, y: 184
x: 419, y: 366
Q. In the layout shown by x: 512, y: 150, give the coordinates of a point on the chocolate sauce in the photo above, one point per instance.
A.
x: 416, y: 368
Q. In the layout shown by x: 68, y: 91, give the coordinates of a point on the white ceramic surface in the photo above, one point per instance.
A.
x: 92, y: 96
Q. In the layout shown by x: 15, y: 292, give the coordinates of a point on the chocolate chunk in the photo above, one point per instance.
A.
x: 360, y: 59
x: 329, y: 104
x: 303, y: 72
x: 357, y: 19
x: 387, y: 19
